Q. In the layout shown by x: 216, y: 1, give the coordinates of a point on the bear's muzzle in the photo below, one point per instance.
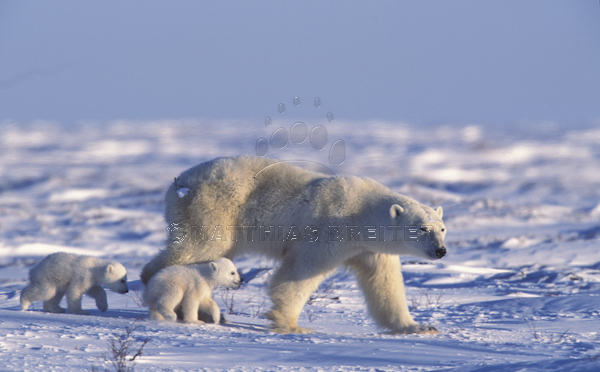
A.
x: 440, y: 252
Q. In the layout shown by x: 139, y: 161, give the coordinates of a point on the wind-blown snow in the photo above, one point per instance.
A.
x: 518, y: 291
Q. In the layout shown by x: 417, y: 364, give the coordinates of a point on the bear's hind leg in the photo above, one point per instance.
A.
x: 27, y: 297
x: 381, y: 281
x: 44, y: 292
x: 35, y: 292
x: 53, y: 305
x: 289, y: 291
x: 152, y: 267
x: 167, y: 305
x: 189, y: 309
x: 166, y: 312
x: 154, y: 314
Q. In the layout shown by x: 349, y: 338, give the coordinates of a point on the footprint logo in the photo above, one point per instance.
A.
x: 298, y: 133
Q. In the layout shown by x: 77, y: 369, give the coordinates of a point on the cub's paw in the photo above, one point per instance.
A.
x: 194, y: 322
x: 223, y: 320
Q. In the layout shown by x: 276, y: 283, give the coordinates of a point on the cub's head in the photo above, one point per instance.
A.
x: 225, y: 272
x: 115, y: 277
x: 423, y: 230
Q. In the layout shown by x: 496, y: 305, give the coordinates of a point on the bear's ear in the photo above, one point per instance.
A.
x: 440, y: 211
x: 214, y: 266
x: 396, y: 210
x: 109, y: 269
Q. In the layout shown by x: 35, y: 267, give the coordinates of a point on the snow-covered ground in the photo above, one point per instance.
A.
x: 518, y: 291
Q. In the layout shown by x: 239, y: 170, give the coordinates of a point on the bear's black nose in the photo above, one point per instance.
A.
x: 440, y: 252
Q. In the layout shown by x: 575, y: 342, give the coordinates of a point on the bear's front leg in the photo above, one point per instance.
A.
x: 209, y: 311
x: 290, y: 288
x: 381, y: 281
x: 99, y: 294
x: 74, y: 297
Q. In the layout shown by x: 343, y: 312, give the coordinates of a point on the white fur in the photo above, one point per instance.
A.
x: 71, y: 274
x: 253, y: 191
x: 184, y: 291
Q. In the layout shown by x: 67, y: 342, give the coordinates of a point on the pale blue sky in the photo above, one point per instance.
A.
x: 497, y: 62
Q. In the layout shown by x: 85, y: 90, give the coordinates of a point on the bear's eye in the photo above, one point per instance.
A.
x: 443, y: 229
x: 233, y: 273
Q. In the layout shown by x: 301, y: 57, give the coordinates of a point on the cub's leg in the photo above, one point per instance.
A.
x: 209, y: 311
x: 189, y: 309
x: 53, y: 304
x: 74, y: 297
x: 99, y: 294
x: 41, y: 292
x: 166, y: 304
x: 154, y: 314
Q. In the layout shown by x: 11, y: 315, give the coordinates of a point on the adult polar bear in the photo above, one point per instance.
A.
x: 238, y: 203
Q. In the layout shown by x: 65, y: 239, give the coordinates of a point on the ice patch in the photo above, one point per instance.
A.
x: 453, y: 274
x: 117, y: 148
x: 74, y: 195
x: 521, y: 242
x: 596, y: 211
x: 40, y: 249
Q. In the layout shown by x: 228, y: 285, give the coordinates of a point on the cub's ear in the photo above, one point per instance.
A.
x: 396, y: 210
x: 440, y: 211
x: 214, y: 266
x: 109, y: 269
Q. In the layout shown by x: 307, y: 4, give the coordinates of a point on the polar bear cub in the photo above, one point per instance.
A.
x: 72, y: 274
x: 185, y: 290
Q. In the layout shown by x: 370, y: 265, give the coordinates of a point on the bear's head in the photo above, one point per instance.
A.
x: 225, y: 273
x: 423, y: 230
x: 115, y: 277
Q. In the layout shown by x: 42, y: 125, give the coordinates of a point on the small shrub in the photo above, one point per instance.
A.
x: 123, y: 349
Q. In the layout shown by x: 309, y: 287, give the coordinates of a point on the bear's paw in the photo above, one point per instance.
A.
x: 290, y: 329
x: 424, y: 329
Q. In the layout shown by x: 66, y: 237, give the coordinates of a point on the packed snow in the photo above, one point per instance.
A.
x: 518, y: 291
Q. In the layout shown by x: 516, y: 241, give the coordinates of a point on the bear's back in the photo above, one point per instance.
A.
x: 223, y: 188
x: 61, y: 266
x: 182, y: 275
